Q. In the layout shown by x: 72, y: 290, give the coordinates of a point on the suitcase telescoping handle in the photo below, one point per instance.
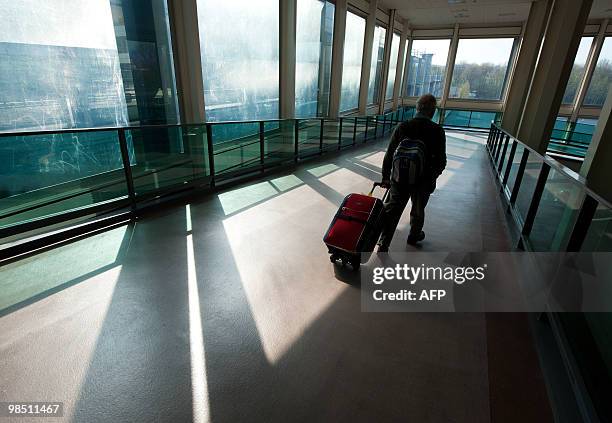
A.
x: 378, y: 184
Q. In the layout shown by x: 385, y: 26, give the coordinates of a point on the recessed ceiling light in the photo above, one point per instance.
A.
x: 451, y: 2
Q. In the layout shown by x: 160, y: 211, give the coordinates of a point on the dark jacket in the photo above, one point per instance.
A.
x: 432, y: 134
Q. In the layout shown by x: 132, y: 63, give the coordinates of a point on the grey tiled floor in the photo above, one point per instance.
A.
x: 228, y: 309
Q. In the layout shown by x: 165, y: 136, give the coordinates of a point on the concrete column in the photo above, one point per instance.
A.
x: 188, y: 67
x: 337, y: 57
x: 397, y: 86
x: 565, y: 27
x: 450, y: 64
x: 386, y: 61
x: 287, y: 40
x: 590, y: 68
x: 596, y: 166
x: 366, y: 61
x: 525, y: 64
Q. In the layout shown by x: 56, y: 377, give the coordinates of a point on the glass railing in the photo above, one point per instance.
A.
x: 569, y: 143
x: 51, y: 177
x: 470, y: 118
x: 553, y: 209
x: 47, y: 178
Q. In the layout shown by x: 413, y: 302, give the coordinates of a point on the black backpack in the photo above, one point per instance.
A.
x: 408, y: 162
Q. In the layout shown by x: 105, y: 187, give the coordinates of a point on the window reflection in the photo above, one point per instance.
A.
x: 578, y: 70
x: 481, y: 68
x: 239, y: 64
x: 314, y: 34
x: 351, y: 63
x: 378, y: 56
x: 427, y: 67
x: 395, y: 42
x: 600, y: 82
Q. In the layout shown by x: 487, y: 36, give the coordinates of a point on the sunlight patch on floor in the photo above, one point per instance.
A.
x: 34, y: 275
x: 199, y: 383
x: 278, y: 251
x: 375, y: 159
x: 238, y: 199
x: 322, y: 170
x: 346, y: 181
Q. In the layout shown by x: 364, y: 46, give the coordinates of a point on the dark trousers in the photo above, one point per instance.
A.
x: 394, y: 207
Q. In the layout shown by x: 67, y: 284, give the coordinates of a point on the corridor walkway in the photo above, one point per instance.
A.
x: 228, y: 309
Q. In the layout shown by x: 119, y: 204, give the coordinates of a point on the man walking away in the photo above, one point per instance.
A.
x: 415, y: 158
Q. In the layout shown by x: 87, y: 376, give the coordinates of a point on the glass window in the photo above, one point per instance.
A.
x: 314, y: 34
x: 142, y: 32
x: 427, y: 67
x: 395, y: 42
x: 58, y: 69
x: 602, y: 76
x: 240, y: 66
x: 481, y: 68
x: 378, y: 57
x: 351, y: 64
x: 577, y: 70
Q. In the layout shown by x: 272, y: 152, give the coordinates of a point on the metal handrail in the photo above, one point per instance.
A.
x: 572, y: 176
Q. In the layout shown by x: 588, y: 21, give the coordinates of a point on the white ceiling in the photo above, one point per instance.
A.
x: 443, y: 12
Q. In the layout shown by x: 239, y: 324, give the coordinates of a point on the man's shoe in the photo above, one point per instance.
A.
x: 413, y: 239
x: 383, y: 249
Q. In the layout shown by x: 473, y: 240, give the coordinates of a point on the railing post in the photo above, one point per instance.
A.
x: 296, y: 135
x: 339, y: 133
x: 535, y: 200
x: 262, y: 150
x: 519, y: 176
x: 509, y: 165
x: 355, y: 131
x: 503, y: 154
x: 491, y: 129
x: 127, y: 168
x: 321, y: 137
x: 583, y: 222
x: 375, y: 126
x: 211, y: 154
x: 365, y: 134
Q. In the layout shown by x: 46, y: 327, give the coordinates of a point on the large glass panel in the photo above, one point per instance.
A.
x: 481, y: 68
x: 351, y: 63
x: 599, y: 235
x: 41, y: 175
x: 600, y: 82
x: 239, y: 51
x: 167, y: 157
x: 577, y: 70
x: 426, y: 67
x: 378, y: 57
x: 60, y: 66
x: 309, y: 137
x: 142, y: 33
x: 395, y: 43
x: 585, y: 125
x: 528, y: 183
x: 314, y: 33
x: 233, y: 153
x: 518, y: 154
x: 331, y: 133
x: 557, y: 213
x: 278, y: 141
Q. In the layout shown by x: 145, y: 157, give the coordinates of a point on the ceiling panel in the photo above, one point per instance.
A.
x: 448, y: 12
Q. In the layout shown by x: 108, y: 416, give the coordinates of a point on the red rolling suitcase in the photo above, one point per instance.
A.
x: 355, y: 228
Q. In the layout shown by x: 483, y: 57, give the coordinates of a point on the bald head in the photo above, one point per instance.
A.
x: 426, y: 104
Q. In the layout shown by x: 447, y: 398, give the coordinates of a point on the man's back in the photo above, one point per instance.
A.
x: 432, y: 134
